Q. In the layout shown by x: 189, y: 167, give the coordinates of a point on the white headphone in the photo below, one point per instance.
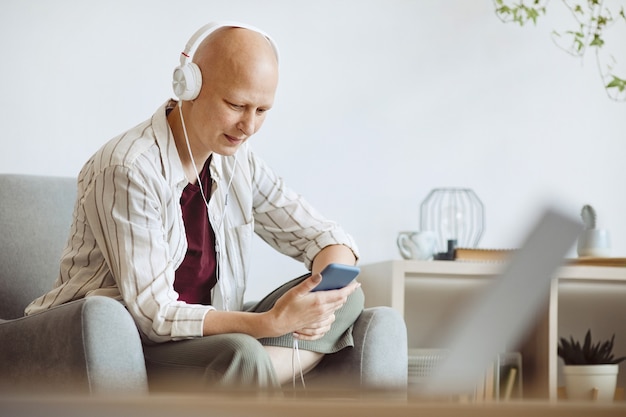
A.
x: 187, y: 79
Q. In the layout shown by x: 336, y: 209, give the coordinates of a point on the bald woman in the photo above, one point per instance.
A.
x: 164, y: 221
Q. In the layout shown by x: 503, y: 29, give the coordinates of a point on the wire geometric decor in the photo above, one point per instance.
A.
x: 454, y: 214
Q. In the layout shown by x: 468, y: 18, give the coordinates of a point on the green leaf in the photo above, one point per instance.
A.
x: 532, y: 14
x: 589, y: 353
x: 618, y: 83
x: 503, y: 10
x: 597, y: 41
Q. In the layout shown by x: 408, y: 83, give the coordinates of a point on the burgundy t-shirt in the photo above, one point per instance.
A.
x: 195, y: 277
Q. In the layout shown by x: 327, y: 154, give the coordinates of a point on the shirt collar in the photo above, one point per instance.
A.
x: 172, y: 165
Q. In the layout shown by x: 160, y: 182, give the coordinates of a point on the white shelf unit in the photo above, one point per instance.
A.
x: 429, y: 293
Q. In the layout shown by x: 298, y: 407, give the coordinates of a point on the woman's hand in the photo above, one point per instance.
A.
x: 309, y: 315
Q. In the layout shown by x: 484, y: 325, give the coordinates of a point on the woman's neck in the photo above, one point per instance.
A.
x: 184, y: 146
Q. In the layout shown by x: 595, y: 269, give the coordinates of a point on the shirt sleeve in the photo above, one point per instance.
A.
x: 287, y: 222
x: 128, y: 213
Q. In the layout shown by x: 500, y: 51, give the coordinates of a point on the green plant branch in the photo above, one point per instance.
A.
x: 593, y: 20
x: 615, y: 86
x: 520, y: 12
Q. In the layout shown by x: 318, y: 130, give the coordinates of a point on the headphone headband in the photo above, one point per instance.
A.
x: 206, y: 30
x: 187, y: 79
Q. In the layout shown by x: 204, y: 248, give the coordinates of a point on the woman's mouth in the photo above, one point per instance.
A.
x: 234, y: 140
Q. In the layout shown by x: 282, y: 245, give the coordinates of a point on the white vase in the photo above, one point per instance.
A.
x: 590, y: 382
x: 594, y: 243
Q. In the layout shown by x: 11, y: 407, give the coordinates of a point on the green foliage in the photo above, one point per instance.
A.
x: 520, y: 12
x: 593, y: 18
x: 589, y: 353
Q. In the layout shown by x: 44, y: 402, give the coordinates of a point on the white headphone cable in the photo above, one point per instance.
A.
x: 193, y: 161
x: 220, y: 282
x: 296, y: 351
x: 295, y: 354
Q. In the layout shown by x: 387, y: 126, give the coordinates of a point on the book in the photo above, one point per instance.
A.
x: 593, y: 261
x: 509, y: 382
x: 503, y: 255
x: 483, y: 255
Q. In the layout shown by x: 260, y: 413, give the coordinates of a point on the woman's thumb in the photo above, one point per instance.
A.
x: 310, y: 283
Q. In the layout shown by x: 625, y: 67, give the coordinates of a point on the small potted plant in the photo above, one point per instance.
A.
x: 590, y: 369
x: 592, y: 241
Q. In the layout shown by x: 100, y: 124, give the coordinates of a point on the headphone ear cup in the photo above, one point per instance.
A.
x: 187, y: 81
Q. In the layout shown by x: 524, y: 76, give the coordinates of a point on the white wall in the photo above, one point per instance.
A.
x: 379, y: 102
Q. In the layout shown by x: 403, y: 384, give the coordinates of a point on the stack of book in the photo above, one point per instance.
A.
x: 483, y: 255
x: 503, y: 255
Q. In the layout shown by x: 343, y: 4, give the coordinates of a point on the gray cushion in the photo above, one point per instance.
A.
x: 35, y: 216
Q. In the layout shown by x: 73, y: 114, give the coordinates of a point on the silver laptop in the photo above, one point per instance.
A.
x: 505, y: 310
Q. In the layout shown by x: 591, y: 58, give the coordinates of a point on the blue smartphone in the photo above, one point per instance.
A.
x: 336, y: 276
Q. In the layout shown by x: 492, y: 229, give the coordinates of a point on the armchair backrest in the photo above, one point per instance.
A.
x: 35, y: 218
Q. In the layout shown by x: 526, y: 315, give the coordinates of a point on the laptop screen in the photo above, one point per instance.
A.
x: 506, y: 309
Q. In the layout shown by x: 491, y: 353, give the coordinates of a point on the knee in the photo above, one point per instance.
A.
x: 242, y: 347
x: 354, y: 306
x: 245, y: 362
x: 357, y: 299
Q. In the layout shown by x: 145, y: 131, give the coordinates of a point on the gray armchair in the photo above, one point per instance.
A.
x: 87, y: 346
x: 92, y: 345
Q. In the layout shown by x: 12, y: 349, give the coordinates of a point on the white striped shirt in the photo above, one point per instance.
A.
x: 127, y: 236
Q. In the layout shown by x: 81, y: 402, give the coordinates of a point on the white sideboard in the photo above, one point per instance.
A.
x: 430, y: 293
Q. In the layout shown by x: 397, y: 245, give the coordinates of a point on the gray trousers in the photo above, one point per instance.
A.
x: 239, y: 361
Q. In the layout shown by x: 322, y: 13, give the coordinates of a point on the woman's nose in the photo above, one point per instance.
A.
x: 247, y: 123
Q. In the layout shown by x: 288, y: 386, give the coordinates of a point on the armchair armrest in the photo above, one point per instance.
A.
x: 379, y: 358
x: 87, y: 346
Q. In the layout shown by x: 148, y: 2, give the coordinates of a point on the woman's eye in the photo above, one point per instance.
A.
x: 235, y: 106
